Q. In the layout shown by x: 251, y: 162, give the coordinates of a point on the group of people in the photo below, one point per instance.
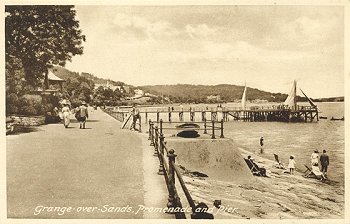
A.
x: 316, y: 159
x: 81, y: 114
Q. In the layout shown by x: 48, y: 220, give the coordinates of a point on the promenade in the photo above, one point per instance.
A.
x: 104, y: 168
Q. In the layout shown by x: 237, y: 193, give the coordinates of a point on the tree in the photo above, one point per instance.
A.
x: 41, y: 36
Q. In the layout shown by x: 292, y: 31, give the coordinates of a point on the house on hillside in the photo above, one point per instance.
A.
x: 109, y: 85
x: 138, y: 93
x: 212, y: 97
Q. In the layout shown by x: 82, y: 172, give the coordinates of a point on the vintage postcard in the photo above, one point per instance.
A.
x: 156, y: 111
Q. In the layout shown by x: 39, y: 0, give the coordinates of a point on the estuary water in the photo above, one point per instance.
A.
x: 298, y: 139
x: 284, y: 139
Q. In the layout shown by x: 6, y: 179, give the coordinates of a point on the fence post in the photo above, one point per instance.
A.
x: 160, y: 153
x: 140, y: 123
x: 213, y: 129
x: 161, y: 126
x: 171, y: 174
x: 222, y: 128
x: 149, y: 129
x: 205, y: 126
x: 156, y: 141
x: 152, y: 134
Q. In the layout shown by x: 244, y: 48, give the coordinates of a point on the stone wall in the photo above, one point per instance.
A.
x: 26, y: 121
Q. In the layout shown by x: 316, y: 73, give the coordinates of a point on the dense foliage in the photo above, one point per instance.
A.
x: 40, y: 36
x: 182, y: 93
x: 36, y: 37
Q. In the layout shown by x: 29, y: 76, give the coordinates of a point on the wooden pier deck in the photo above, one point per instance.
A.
x: 251, y: 114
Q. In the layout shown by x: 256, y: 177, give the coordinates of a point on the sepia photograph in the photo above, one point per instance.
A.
x: 174, y: 111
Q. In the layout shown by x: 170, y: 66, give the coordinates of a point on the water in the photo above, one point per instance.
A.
x: 285, y: 139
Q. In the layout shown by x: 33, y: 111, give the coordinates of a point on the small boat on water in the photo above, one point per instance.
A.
x: 337, y: 119
x: 188, y: 130
x: 188, y: 127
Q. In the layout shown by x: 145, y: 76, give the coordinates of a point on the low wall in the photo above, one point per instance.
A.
x: 218, y: 158
x: 26, y: 121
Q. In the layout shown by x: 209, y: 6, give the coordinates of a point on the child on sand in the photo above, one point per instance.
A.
x: 291, y: 165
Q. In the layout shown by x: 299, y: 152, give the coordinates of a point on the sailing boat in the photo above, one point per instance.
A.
x: 291, y: 100
x: 244, y: 97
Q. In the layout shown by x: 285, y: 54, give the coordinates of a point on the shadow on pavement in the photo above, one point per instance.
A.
x: 23, y: 129
x: 75, y: 121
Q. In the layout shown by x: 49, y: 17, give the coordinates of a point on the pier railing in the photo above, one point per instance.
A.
x: 172, y: 174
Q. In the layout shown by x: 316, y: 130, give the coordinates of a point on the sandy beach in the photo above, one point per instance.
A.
x: 278, y: 196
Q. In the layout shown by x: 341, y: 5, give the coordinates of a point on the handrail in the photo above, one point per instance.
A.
x: 170, y: 171
x: 206, y: 126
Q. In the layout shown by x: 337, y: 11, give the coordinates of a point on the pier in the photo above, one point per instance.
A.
x: 251, y: 114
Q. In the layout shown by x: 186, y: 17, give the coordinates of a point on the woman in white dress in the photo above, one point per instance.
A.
x: 66, y: 113
x: 314, y: 158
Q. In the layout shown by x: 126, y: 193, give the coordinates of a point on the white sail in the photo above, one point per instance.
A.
x: 312, y: 103
x: 291, y: 100
x: 244, y: 97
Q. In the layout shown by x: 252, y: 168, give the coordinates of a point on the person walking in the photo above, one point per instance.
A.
x: 83, y: 114
x: 324, y: 159
x: 291, y: 165
x: 65, y: 114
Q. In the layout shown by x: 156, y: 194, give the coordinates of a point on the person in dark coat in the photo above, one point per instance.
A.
x: 324, y: 159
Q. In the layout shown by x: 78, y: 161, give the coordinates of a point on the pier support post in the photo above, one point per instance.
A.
x: 222, y: 128
x: 213, y: 129
x: 160, y: 153
x: 157, y: 116
x: 205, y: 126
x: 203, y: 115
x: 191, y: 116
x: 169, y: 116
x: 161, y: 126
x: 146, y: 117
x: 171, y: 199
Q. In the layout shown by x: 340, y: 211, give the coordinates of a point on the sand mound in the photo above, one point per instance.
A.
x: 219, y: 158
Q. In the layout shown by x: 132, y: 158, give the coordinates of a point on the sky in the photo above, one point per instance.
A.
x: 266, y: 47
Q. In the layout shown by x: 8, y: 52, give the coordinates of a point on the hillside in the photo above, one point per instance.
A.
x: 185, y: 93
x: 228, y: 93
x: 64, y: 73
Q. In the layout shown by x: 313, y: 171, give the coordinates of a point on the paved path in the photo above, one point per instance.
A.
x: 101, y: 166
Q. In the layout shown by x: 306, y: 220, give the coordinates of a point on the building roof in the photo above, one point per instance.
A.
x: 53, y: 77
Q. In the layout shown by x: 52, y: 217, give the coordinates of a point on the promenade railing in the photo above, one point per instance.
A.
x: 172, y: 174
x: 211, y: 127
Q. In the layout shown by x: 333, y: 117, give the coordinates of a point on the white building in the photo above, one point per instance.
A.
x: 138, y: 93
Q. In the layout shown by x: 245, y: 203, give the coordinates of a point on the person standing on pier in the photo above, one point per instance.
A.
x: 324, y: 159
x: 261, y: 144
x: 83, y: 114
x: 135, y: 113
x: 181, y: 113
